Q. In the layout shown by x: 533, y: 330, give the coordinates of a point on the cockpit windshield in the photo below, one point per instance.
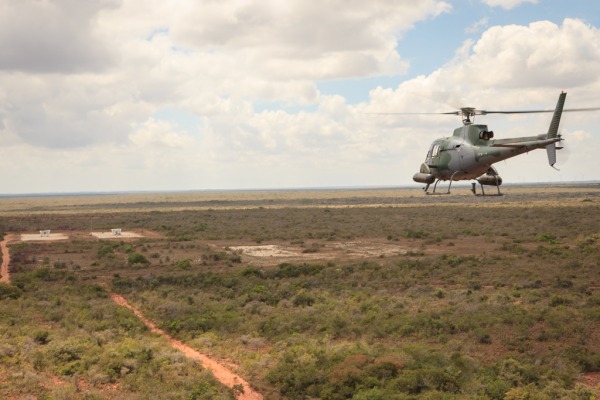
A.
x: 434, y: 151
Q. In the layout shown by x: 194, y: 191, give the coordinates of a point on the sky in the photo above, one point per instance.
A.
x: 160, y: 95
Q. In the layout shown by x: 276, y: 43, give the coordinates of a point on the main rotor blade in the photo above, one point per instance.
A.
x: 414, y: 113
x: 484, y: 112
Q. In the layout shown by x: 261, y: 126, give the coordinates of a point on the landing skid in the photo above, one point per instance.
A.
x: 435, y: 186
x: 474, y: 190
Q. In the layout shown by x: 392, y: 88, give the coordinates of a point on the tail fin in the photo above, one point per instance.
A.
x: 553, y: 129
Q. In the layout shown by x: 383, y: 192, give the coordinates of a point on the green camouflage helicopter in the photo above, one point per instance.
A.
x: 470, y: 152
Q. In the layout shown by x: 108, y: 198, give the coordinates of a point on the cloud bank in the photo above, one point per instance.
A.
x: 164, y: 95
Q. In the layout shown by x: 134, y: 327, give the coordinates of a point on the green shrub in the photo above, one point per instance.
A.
x: 41, y: 337
x: 548, y: 238
x: 8, y: 291
x: 185, y: 264
x: 105, y: 250
x: 137, y: 258
x: 303, y: 299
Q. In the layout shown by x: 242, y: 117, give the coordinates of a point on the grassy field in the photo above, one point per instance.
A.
x: 375, y: 294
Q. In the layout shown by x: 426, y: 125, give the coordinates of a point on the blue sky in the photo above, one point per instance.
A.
x: 188, y: 95
x: 432, y: 43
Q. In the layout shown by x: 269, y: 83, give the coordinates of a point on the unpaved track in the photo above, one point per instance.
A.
x: 224, y: 375
x: 5, y: 259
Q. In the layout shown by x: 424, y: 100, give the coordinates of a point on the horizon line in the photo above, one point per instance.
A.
x: 271, y: 189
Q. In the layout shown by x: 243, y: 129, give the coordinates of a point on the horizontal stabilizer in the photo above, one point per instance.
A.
x: 536, y: 143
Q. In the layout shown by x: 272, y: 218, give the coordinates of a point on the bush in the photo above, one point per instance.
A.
x: 303, y: 299
x: 184, y: 264
x: 8, y: 291
x: 41, y: 337
x: 137, y: 258
x: 105, y: 250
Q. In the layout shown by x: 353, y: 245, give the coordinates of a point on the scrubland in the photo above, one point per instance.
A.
x: 494, y: 298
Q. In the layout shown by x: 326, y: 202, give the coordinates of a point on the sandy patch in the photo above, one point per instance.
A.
x: 370, y: 249
x: 28, y: 237
x: 324, y: 251
x: 269, y: 250
x: 110, y: 235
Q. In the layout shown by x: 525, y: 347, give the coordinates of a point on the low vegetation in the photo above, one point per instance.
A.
x: 497, y: 300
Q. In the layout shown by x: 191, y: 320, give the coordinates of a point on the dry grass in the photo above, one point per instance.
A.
x: 554, y: 195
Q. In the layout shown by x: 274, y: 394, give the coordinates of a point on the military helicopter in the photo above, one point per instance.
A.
x: 470, y: 152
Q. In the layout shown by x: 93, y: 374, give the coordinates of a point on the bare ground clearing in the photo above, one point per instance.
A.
x: 36, y: 237
x: 121, y: 235
x: 274, y: 253
x: 31, y: 237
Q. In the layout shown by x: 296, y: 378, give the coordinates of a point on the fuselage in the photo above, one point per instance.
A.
x: 470, y: 152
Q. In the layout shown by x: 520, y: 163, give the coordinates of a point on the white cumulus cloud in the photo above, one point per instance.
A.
x: 507, y: 4
x: 183, y: 94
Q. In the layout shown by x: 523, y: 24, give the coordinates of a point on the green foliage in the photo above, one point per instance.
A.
x: 203, y: 391
x: 287, y: 270
x: 41, y: 337
x: 415, y: 234
x: 75, y: 332
x: 8, y: 291
x: 548, y: 238
x: 107, y: 249
x: 303, y: 299
x: 137, y: 258
x: 184, y: 264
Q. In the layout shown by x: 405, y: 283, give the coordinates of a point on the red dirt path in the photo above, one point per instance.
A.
x: 5, y: 275
x: 224, y: 375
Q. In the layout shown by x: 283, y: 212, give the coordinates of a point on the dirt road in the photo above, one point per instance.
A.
x: 223, y: 374
x: 4, y: 274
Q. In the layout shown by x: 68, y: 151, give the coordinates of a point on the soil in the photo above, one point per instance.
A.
x: 31, y: 237
x: 120, y: 235
x: 344, y: 250
x: 4, y: 272
x: 82, y: 235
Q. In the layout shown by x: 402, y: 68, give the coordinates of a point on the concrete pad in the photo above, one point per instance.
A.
x: 111, y: 235
x: 29, y: 237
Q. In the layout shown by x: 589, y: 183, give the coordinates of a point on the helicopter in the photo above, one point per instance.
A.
x: 469, y: 154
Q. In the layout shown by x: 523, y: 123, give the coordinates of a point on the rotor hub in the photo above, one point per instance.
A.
x: 468, y: 113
